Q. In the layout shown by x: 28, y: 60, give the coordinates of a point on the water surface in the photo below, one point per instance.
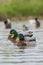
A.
x: 11, y: 55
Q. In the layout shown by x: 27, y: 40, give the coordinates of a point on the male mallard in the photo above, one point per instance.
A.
x: 24, y: 42
x: 7, y: 24
x: 12, y: 35
x: 21, y: 40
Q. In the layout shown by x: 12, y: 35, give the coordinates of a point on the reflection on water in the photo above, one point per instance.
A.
x: 11, y: 55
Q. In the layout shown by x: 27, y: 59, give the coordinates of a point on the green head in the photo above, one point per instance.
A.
x: 13, y: 33
x: 20, y: 37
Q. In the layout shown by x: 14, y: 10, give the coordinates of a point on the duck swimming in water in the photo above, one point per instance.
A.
x: 23, y: 42
x: 12, y: 35
x: 20, y: 40
x: 37, y: 23
x: 34, y: 23
x: 7, y: 24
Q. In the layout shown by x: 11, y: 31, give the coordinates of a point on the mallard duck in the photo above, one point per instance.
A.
x: 12, y: 35
x: 23, y: 41
x: 25, y: 28
x: 37, y: 23
x: 34, y: 23
x: 7, y: 24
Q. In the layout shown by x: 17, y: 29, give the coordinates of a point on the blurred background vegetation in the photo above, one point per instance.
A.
x: 21, y: 8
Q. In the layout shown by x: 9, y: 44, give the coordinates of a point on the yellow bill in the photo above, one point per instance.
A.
x: 12, y: 35
x: 17, y: 39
